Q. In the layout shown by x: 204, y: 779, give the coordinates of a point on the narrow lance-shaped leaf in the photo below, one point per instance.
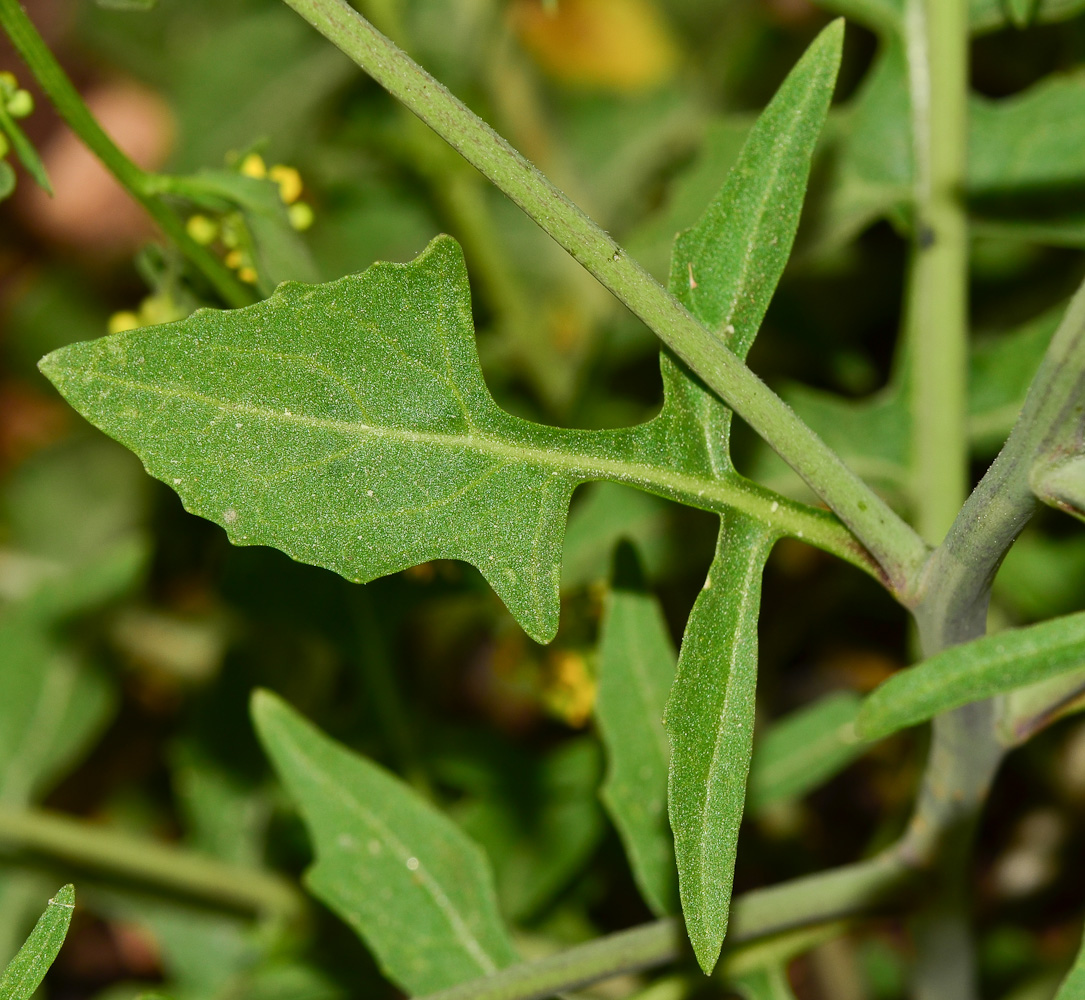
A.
x: 710, y: 722
x: 725, y: 269
x: 400, y: 873
x: 27, y: 969
x: 971, y: 672
x: 636, y: 669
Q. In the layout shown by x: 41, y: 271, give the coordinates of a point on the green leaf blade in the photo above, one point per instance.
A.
x: 636, y: 669
x: 709, y: 719
x: 400, y: 873
x: 27, y: 969
x: 347, y: 424
x: 726, y: 268
x: 971, y: 672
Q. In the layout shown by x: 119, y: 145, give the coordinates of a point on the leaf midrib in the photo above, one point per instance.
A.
x: 718, y: 495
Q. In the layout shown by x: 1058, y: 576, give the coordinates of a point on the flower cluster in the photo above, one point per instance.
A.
x: 229, y: 231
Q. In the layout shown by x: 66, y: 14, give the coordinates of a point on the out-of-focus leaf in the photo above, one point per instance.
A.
x: 973, y: 671
x: 1042, y: 577
x: 870, y: 157
x: 694, y: 188
x: 1026, y: 142
x: 225, y: 816
x: 60, y: 592
x: 713, y: 271
x: 608, y: 513
x: 803, y: 750
x: 1001, y: 370
x: 538, y: 821
x: 989, y: 15
x: 256, y: 73
x: 408, y: 881
x: 51, y: 707
x: 76, y: 502
x: 27, y: 969
x: 636, y: 666
x: 764, y: 984
x: 883, y: 16
x: 709, y: 719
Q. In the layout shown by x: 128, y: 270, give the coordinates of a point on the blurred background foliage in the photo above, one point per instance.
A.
x: 131, y: 633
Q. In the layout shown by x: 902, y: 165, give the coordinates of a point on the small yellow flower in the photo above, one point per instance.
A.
x: 289, y: 181
x: 202, y: 229
x: 235, y: 259
x: 248, y: 275
x: 253, y: 166
x: 121, y: 321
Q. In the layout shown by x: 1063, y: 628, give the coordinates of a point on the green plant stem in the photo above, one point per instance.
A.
x: 893, y: 543
x: 823, y: 898
x: 965, y: 753
x: 138, y: 183
x: 34, y: 832
x: 954, y: 594
x: 937, y: 310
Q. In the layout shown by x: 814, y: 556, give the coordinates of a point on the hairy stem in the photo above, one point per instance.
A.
x: 137, y: 182
x: 937, y: 311
x: 892, y: 542
x: 33, y: 832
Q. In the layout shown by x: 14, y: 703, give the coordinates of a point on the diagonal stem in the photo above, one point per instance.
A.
x: 893, y: 543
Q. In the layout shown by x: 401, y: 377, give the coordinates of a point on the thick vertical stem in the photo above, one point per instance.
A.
x: 964, y: 752
x: 937, y: 316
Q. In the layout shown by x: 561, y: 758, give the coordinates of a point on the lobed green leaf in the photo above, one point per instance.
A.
x: 971, y: 672
x: 401, y: 874
x: 636, y: 666
x: 709, y: 719
x: 27, y: 969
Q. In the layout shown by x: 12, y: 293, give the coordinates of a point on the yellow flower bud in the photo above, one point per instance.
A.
x: 234, y: 259
x: 202, y: 229
x: 289, y: 181
x: 253, y: 166
x: 121, y: 321
x: 248, y: 275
